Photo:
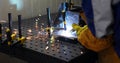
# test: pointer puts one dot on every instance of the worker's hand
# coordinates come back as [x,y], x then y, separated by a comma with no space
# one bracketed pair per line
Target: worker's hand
[87,39]
[79,29]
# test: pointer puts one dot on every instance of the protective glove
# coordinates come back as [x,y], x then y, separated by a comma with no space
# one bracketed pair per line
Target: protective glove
[87,39]
[78,29]
[108,56]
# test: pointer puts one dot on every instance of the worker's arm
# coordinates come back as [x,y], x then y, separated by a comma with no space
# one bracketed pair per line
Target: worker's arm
[87,39]
[98,14]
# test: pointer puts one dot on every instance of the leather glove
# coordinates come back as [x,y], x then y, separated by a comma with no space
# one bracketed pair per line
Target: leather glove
[78,29]
[108,56]
[87,39]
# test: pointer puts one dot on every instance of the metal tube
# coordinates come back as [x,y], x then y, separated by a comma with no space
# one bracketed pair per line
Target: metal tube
[0,32]
[48,17]
[19,26]
[64,15]
[69,4]
[48,21]
[9,30]
[10,22]
[64,20]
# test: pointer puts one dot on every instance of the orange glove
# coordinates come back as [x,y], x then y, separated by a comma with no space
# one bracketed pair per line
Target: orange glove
[86,38]
[78,29]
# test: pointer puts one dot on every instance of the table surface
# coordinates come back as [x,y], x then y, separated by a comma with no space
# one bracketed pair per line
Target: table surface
[38,40]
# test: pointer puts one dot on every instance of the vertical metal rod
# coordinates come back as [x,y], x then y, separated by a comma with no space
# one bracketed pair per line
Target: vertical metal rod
[64,15]
[48,21]
[10,22]
[0,33]
[48,17]
[19,26]
[69,4]
[9,30]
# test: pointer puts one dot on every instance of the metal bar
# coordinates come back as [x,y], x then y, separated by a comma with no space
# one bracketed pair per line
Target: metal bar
[0,32]
[48,17]
[19,26]
[10,22]
[64,15]
[69,4]
[48,21]
[9,30]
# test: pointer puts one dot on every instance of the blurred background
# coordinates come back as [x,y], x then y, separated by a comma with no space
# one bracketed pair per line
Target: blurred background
[29,8]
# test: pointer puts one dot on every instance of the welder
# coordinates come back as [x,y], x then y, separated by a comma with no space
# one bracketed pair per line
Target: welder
[102,32]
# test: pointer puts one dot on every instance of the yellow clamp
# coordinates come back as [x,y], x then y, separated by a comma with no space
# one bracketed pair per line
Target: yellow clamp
[64,22]
[51,29]
[7,30]
[9,43]
[48,28]
[52,39]
[22,39]
[13,36]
